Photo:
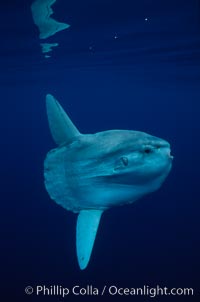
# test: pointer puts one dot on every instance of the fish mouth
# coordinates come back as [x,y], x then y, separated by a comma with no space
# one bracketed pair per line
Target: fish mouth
[160,145]
[169,155]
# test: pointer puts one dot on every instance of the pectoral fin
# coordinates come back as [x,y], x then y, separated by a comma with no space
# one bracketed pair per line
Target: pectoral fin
[86,229]
[62,128]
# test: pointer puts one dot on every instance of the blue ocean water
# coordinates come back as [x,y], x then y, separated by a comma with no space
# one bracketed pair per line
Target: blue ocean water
[121,65]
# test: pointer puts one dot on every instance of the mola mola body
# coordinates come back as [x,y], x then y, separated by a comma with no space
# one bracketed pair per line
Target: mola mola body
[88,174]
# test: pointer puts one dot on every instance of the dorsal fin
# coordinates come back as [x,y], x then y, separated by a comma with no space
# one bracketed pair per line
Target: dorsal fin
[86,229]
[61,127]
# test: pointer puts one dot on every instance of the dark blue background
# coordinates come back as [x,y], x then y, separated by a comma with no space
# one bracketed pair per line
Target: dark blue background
[147,79]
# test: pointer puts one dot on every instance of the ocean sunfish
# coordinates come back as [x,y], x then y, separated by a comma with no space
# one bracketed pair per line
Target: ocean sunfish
[90,173]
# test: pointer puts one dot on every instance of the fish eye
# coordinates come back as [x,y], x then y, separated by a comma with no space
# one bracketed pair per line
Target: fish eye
[147,150]
[124,160]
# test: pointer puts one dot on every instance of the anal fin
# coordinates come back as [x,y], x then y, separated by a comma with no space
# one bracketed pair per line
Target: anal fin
[86,229]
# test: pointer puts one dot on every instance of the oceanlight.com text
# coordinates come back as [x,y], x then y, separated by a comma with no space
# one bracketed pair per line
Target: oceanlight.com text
[109,290]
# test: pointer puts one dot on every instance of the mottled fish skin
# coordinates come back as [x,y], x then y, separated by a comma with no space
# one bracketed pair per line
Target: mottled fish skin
[106,169]
[90,173]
